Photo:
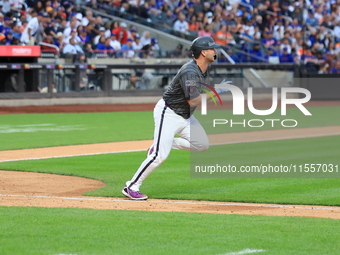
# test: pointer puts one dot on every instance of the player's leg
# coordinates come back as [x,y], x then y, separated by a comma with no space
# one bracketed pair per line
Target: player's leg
[193,137]
[167,124]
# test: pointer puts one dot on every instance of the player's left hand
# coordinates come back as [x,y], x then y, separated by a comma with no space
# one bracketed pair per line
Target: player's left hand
[226,82]
[221,91]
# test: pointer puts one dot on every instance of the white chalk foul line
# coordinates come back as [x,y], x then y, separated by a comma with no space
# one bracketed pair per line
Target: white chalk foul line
[177,202]
[246,251]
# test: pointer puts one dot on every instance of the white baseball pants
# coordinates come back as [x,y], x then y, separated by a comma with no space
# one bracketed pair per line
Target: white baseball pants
[167,124]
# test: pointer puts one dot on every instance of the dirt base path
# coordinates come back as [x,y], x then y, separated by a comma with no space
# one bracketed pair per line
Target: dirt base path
[47,190]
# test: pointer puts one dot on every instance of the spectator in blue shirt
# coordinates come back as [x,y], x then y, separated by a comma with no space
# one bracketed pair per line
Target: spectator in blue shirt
[269,40]
[6,27]
[285,57]
[101,43]
[271,53]
[311,20]
[106,47]
[255,52]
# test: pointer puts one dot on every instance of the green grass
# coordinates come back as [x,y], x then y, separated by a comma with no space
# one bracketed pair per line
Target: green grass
[172,180]
[85,231]
[21,131]
[321,116]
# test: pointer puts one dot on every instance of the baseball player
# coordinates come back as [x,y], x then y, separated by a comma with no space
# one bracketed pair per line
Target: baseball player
[173,114]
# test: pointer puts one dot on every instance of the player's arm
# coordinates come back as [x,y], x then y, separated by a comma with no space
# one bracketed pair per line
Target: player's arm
[197,100]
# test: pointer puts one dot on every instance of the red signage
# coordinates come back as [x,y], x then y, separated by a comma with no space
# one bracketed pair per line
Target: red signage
[19,51]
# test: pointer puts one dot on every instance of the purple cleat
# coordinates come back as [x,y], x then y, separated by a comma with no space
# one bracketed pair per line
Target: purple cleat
[134,195]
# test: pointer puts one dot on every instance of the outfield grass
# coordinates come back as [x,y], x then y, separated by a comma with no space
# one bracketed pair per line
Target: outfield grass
[321,116]
[172,180]
[22,131]
[85,231]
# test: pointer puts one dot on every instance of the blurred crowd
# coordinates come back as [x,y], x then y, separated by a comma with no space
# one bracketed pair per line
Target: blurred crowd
[287,31]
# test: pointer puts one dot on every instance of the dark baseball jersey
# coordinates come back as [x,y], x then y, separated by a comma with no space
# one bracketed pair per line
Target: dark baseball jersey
[186,85]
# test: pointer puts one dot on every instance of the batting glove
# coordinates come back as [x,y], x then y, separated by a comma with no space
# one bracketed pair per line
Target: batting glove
[226,82]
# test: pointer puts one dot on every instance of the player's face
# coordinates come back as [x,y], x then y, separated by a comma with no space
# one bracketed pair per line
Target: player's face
[210,54]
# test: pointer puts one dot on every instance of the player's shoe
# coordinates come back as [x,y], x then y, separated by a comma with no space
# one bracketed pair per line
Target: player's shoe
[134,195]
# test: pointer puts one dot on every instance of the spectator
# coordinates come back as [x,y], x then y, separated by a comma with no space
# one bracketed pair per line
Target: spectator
[133,33]
[272,56]
[223,37]
[49,39]
[173,4]
[178,52]
[206,31]
[311,20]
[79,18]
[121,33]
[128,50]
[15,41]
[331,61]
[114,43]
[194,24]
[279,30]
[72,26]
[102,33]
[6,27]
[84,37]
[286,57]
[146,39]
[72,48]
[181,25]
[337,32]
[323,68]
[16,30]
[22,18]
[88,50]
[137,45]
[2,39]
[255,54]
[166,19]
[9,37]
[228,20]
[269,40]
[32,29]
[146,52]
[6,6]
[51,29]
[87,19]
[97,24]
[45,89]
[101,43]
[285,44]
[84,80]
[73,35]
[154,44]
[107,30]
[336,68]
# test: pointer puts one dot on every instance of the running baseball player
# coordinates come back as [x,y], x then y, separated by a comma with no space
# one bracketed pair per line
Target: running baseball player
[173,115]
